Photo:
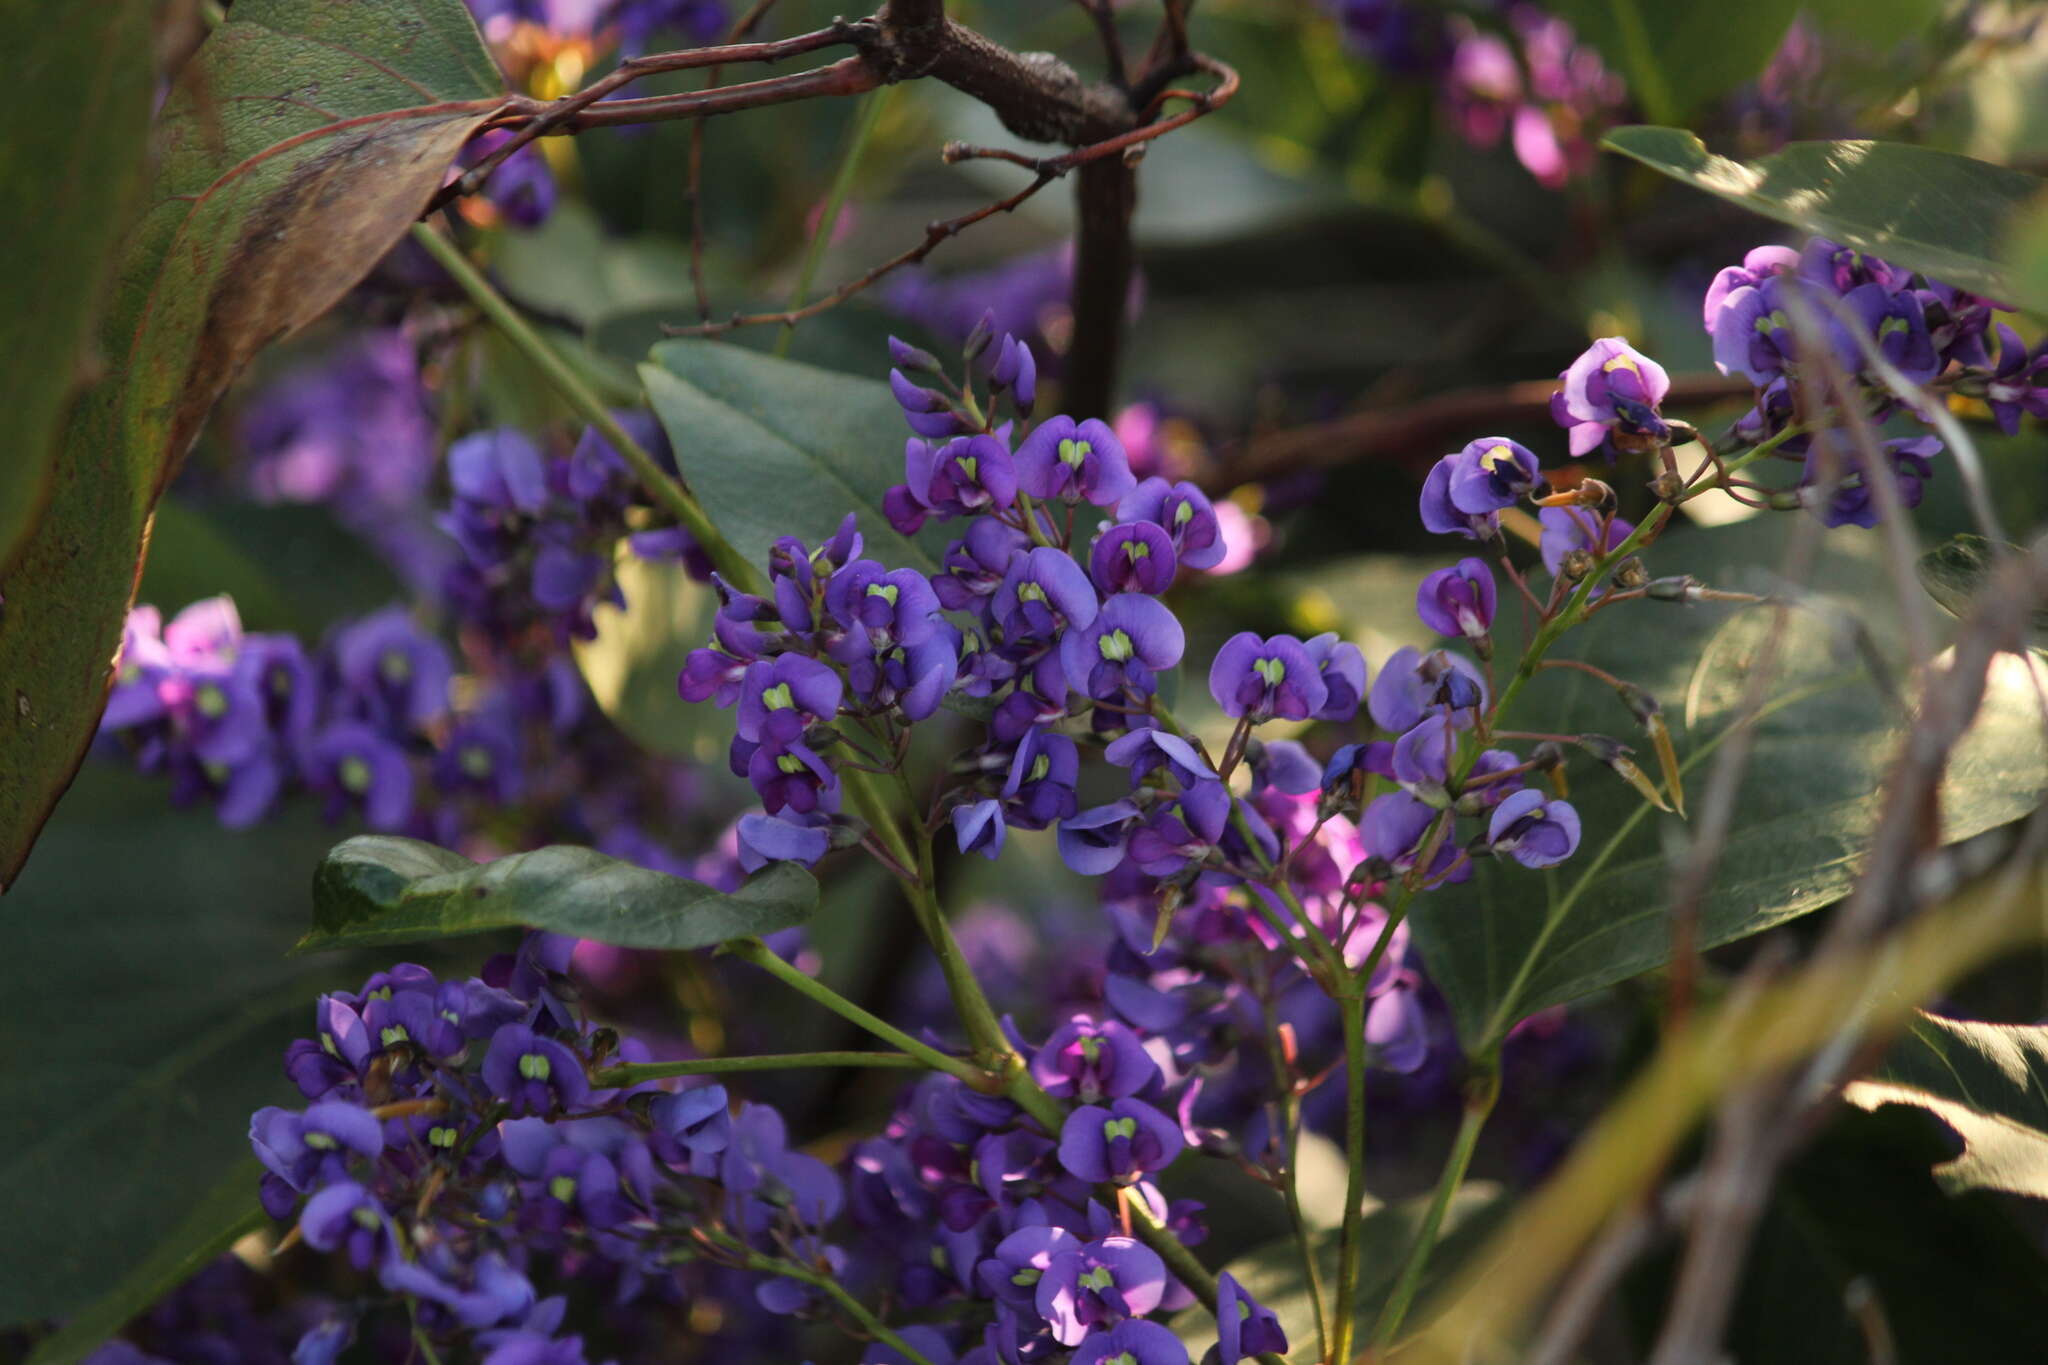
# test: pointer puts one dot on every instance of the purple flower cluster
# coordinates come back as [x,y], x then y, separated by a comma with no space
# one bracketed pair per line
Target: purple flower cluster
[538,530]
[231,718]
[459,1143]
[1764,314]
[1529,78]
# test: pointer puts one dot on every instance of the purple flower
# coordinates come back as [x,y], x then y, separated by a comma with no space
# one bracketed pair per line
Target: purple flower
[1122,1143]
[396,671]
[1134,556]
[1098,1283]
[1039,788]
[782,697]
[1146,749]
[1043,592]
[1759,265]
[1843,269]
[1612,390]
[482,756]
[1075,461]
[1533,831]
[1392,825]
[1422,758]
[1566,529]
[978,828]
[1343,670]
[1458,600]
[1186,513]
[1898,324]
[522,188]
[1835,485]
[1243,1327]
[302,1150]
[1014,1268]
[786,775]
[353,765]
[1261,679]
[976,565]
[531,1074]
[2015,386]
[1130,640]
[881,608]
[968,475]
[347,1216]
[1092,842]
[1093,1061]
[1396,1029]
[1411,682]
[1136,1342]
[765,839]
[1465,492]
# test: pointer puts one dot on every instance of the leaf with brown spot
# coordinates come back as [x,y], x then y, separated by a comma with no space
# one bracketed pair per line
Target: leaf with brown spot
[296,149]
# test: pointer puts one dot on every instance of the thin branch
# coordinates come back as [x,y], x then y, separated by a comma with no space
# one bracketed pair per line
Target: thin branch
[559,114]
[1112,41]
[847,76]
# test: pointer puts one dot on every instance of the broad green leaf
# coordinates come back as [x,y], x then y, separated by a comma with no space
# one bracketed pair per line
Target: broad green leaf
[772,448]
[67,181]
[1989,1082]
[1931,211]
[631,665]
[147,1007]
[295,150]
[379,889]
[1512,941]
[227,1213]
[1953,571]
[1955,1279]
[1275,1277]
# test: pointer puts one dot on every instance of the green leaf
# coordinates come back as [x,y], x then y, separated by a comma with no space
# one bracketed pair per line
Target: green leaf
[147,1005]
[1511,941]
[378,889]
[631,665]
[1988,1082]
[223,1217]
[1954,571]
[67,182]
[1274,1275]
[296,149]
[1932,211]
[772,448]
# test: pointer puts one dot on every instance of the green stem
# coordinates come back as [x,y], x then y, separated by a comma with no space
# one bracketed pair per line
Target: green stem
[531,344]
[1575,607]
[633,1073]
[1351,1012]
[871,107]
[754,951]
[1481,1092]
[1290,1125]
[762,1263]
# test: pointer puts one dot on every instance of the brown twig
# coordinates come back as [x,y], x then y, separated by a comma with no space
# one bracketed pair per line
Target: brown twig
[1420,430]
[544,118]
[1046,169]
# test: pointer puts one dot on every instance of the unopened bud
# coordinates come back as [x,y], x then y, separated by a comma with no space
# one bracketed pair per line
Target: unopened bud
[1667,487]
[1171,897]
[1786,500]
[1680,433]
[603,1043]
[1677,589]
[1640,703]
[1575,565]
[1630,574]
[910,358]
[983,333]
[1615,755]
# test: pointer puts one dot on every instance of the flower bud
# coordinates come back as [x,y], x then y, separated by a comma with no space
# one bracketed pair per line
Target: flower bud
[978,339]
[1576,565]
[1630,574]
[910,358]
[1676,589]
